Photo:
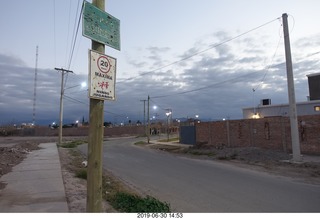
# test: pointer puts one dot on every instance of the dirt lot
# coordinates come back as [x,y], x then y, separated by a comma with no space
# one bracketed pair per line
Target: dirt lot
[14,149]
[273,162]
[75,187]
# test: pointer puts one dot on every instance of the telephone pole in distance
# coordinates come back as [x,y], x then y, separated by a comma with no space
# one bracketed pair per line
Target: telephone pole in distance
[291,93]
[63,72]
[144,116]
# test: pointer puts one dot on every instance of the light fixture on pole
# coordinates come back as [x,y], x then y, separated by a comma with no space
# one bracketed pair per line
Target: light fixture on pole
[168,114]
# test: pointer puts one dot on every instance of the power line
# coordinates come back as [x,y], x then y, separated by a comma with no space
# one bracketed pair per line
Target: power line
[68,31]
[75,100]
[205,87]
[54,32]
[158,105]
[229,80]
[75,36]
[268,67]
[200,52]
[215,85]
[81,102]
[233,80]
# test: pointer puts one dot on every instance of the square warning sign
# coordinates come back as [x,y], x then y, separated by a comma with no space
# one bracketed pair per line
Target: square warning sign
[102,76]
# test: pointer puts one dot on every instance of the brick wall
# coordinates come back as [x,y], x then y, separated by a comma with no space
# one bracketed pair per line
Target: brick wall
[84,131]
[271,133]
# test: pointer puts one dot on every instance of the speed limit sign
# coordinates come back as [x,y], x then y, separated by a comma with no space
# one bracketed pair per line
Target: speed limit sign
[103,64]
[102,76]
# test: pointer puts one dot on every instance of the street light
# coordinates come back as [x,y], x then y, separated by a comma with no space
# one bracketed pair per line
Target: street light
[168,114]
[83,84]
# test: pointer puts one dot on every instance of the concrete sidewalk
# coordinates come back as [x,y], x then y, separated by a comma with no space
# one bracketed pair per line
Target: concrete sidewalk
[36,184]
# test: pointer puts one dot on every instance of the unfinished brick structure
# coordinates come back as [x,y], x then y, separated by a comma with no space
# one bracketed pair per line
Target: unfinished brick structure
[271,133]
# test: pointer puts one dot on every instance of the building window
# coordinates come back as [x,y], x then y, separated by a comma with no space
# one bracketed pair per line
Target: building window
[317,108]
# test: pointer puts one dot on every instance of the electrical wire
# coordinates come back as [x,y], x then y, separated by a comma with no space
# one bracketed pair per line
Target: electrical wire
[230,80]
[75,36]
[158,105]
[293,23]
[200,52]
[75,100]
[54,32]
[227,81]
[215,85]
[81,102]
[69,19]
[268,67]
[205,87]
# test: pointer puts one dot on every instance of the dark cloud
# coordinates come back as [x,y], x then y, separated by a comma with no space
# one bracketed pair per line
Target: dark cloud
[214,84]
[17,93]
[6,60]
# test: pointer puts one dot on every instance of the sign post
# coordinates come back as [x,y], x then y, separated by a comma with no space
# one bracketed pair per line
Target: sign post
[103,29]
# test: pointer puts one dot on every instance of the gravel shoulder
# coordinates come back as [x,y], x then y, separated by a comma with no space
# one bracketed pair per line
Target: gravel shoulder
[270,161]
[75,187]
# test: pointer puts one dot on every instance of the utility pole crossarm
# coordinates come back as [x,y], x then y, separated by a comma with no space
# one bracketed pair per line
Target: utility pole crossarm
[63,70]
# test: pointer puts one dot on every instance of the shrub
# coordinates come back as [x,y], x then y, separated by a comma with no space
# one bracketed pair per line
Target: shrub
[82,173]
[71,144]
[129,203]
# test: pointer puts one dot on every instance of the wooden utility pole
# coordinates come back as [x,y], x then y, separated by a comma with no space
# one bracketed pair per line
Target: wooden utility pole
[291,93]
[144,116]
[35,89]
[95,141]
[148,127]
[63,72]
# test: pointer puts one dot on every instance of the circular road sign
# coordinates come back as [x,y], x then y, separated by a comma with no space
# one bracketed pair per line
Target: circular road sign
[103,64]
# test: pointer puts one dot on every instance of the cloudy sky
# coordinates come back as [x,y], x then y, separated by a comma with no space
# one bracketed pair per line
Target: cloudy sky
[196,57]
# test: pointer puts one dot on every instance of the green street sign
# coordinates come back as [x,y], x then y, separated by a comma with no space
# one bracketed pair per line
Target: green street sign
[100,26]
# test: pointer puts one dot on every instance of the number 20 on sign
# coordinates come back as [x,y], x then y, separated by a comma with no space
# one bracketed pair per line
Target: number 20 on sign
[102,76]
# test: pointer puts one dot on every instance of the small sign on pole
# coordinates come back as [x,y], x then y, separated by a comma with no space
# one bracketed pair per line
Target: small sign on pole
[102,76]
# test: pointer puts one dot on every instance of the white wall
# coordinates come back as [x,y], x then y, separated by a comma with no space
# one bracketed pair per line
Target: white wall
[303,108]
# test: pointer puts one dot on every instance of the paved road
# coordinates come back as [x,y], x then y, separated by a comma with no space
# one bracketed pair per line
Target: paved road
[192,185]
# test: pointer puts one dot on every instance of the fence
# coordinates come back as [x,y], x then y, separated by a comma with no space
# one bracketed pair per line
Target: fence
[271,133]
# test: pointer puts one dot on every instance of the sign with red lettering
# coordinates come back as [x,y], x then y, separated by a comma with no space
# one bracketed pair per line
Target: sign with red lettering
[102,76]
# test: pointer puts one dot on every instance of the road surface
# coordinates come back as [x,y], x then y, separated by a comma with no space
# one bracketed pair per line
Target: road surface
[192,185]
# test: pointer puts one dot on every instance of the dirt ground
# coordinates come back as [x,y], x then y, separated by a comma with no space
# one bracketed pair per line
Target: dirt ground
[14,149]
[270,161]
[75,187]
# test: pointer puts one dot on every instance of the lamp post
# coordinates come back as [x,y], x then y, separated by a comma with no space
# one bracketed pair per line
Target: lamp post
[168,114]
